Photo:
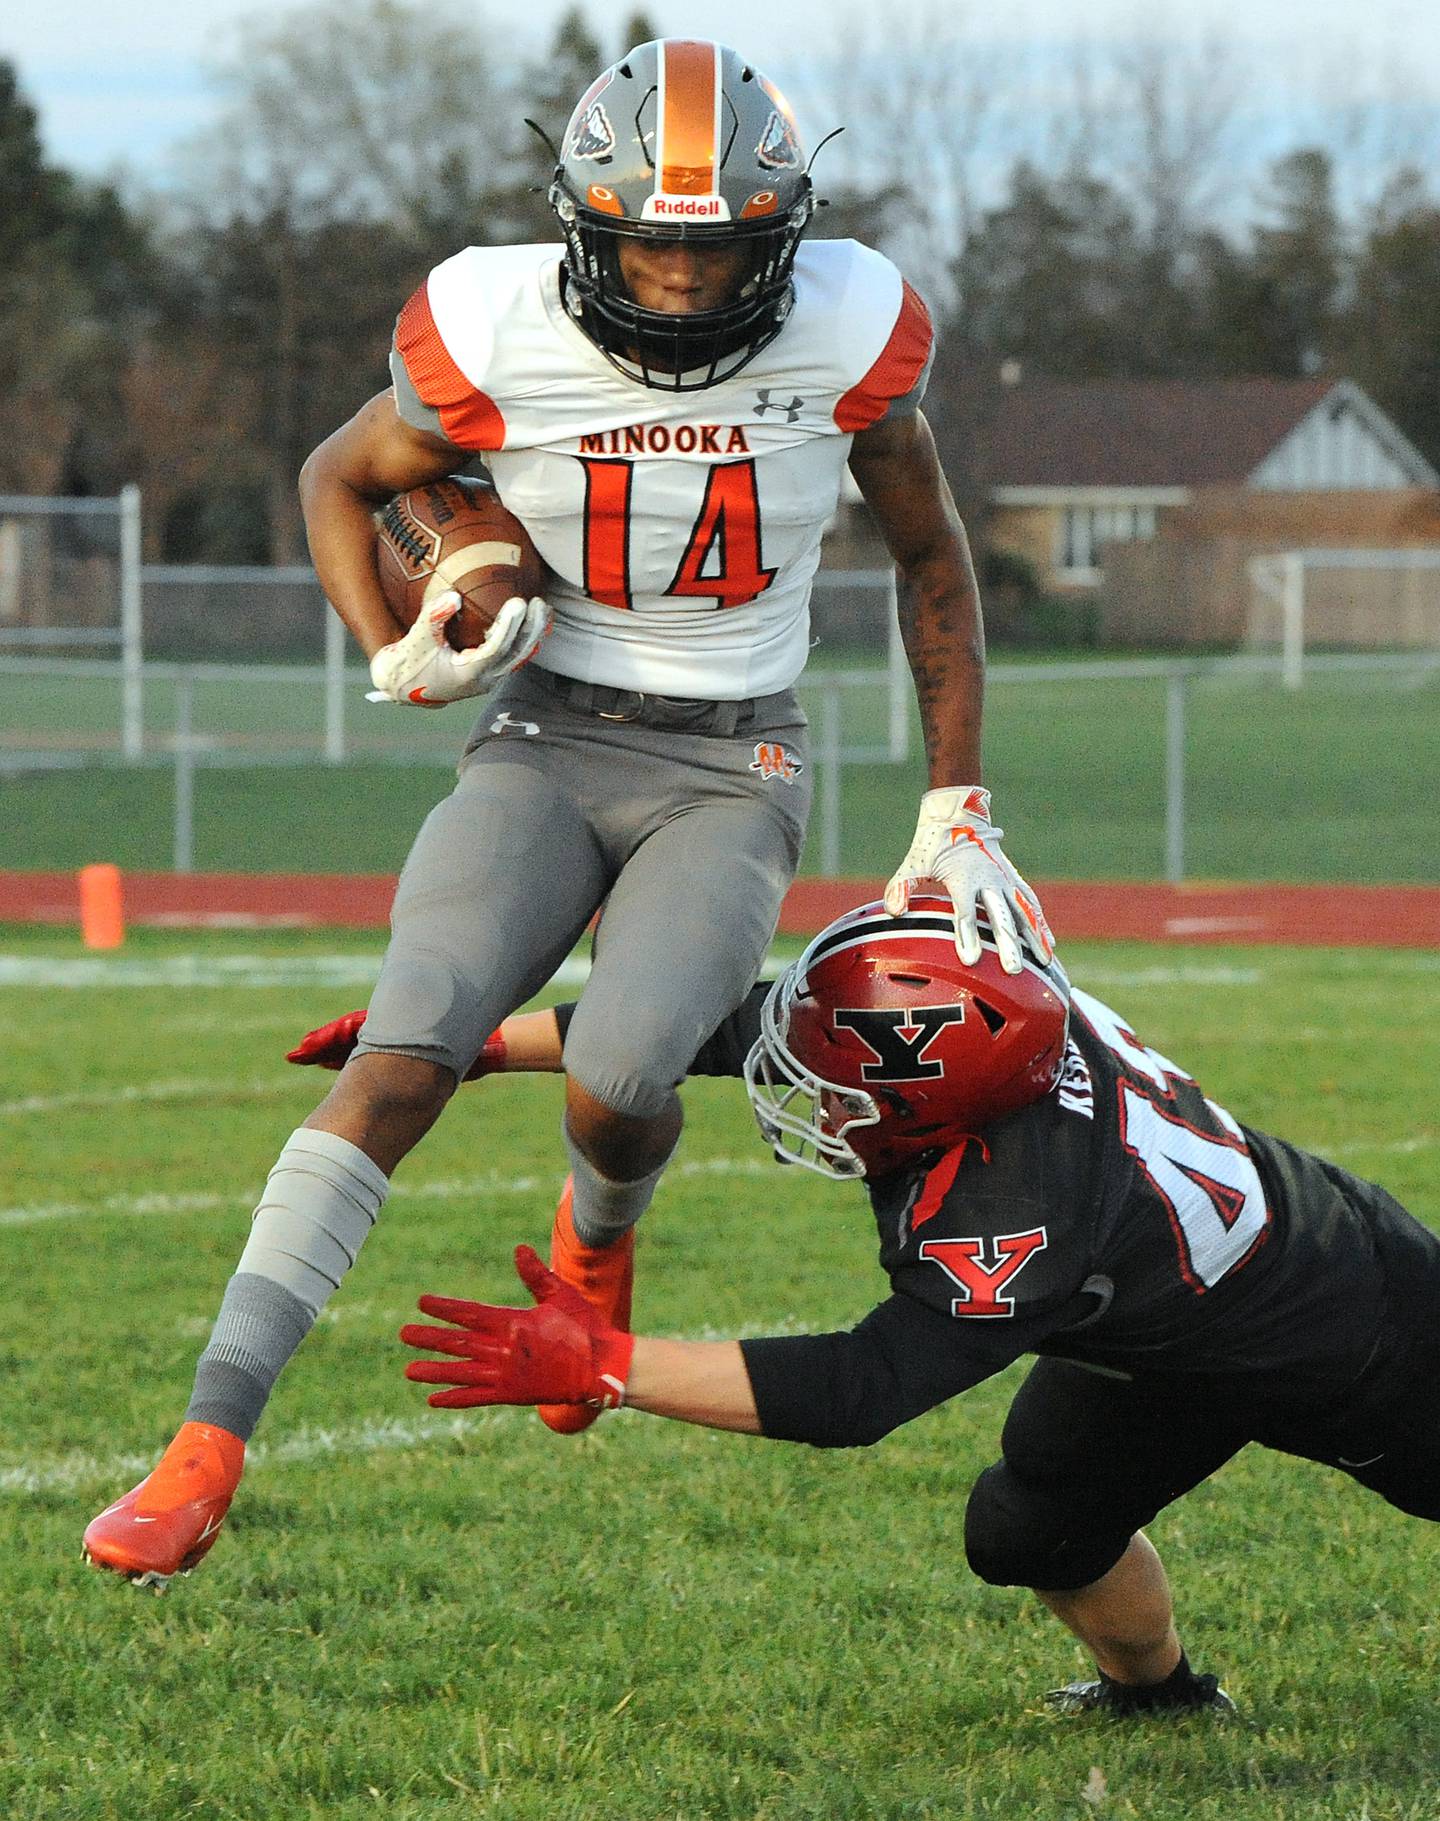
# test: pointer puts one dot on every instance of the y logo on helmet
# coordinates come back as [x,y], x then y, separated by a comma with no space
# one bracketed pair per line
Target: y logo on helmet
[779,149]
[594,137]
[963,1262]
[900,1039]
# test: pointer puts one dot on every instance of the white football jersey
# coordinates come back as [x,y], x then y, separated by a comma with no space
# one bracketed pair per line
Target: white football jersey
[682,528]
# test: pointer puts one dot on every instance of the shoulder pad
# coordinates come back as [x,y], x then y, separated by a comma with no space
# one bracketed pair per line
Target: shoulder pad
[446,336]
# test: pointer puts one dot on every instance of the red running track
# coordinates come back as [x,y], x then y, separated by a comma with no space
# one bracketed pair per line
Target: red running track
[1359,916]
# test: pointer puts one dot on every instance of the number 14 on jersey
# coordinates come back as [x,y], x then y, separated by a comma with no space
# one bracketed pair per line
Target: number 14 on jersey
[721,557]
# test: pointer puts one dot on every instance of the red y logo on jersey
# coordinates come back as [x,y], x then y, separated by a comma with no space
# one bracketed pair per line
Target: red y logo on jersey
[961,1261]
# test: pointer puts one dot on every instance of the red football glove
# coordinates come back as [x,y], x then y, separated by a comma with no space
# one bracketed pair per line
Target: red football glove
[560,1352]
[331,1045]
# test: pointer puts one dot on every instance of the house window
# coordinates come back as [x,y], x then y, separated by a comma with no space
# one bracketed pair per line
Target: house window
[1086,530]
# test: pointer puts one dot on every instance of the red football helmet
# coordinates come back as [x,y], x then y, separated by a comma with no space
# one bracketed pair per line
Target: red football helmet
[879,1043]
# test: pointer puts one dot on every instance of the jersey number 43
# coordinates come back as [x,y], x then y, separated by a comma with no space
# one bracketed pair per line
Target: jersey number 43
[721,559]
[1210,1188]
[1197,1165]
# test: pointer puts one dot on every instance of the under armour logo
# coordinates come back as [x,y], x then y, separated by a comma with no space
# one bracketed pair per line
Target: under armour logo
[503,724]
[764,403]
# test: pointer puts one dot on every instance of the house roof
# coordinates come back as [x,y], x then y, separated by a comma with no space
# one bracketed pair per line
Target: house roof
[1143,433]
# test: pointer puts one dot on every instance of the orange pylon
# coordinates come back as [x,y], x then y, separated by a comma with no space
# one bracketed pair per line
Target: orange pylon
[102,910]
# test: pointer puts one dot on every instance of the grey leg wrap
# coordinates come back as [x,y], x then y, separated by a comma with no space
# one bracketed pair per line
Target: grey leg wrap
[259,1326]
[320,1201]
[603,1209]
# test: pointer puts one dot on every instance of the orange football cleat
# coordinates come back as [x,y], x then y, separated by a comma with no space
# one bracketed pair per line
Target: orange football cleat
[605,1277]
[169,1522]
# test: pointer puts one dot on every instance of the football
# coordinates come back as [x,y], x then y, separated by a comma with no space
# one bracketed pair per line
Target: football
[455,534]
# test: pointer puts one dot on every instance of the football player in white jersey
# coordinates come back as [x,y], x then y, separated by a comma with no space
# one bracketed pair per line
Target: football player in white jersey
[667,401]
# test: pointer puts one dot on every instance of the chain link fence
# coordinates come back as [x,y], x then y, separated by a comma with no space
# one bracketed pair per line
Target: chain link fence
[144,712]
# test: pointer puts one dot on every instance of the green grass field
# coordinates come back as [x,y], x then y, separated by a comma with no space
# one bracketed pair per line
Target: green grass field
[1337,781]
[414,1615]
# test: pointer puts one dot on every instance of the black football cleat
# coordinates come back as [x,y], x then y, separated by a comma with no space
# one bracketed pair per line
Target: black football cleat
[1201,1693]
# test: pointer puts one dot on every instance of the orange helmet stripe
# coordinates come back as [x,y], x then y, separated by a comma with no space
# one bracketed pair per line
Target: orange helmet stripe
[689,98]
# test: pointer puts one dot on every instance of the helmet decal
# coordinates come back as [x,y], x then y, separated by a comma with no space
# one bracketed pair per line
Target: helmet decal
[779,149]
[685,208]
[603,200]
[899,1039]
[594,137]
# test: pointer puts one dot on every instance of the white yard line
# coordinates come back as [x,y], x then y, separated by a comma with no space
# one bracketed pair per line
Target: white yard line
[91,972]
[455,1188]
[1239,927]
[97,972]
[461,1188]
[1195,974]
[141,1091]
[1381,1147]
[121,1204]
[22,1477]
[64,1472]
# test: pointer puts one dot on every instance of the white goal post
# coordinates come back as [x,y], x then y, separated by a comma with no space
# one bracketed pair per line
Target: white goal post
[19,631]
[1280,581]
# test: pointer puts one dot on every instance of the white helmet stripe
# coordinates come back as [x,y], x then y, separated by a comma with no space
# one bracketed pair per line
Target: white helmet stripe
[885,928]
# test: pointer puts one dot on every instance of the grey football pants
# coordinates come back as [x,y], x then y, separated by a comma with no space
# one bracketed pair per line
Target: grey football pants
[689,840]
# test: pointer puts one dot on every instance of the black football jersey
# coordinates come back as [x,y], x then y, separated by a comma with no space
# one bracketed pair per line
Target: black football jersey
[1125,1221]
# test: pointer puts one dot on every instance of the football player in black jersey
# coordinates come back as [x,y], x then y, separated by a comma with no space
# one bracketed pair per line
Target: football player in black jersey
[1043,1183]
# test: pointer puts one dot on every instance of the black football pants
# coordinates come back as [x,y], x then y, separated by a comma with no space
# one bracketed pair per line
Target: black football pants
[1089,1460]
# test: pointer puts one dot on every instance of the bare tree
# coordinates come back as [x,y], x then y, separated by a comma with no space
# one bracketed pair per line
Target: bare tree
[918,100]
[374,111]
[1176,106]
[358,143]
[1360,102]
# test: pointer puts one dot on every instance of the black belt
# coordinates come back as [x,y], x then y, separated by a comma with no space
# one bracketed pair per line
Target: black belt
[686,714]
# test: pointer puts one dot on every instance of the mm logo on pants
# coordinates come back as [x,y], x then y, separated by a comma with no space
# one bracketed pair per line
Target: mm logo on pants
[772,760]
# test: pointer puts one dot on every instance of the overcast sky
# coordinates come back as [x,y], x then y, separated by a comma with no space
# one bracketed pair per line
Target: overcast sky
[124,80]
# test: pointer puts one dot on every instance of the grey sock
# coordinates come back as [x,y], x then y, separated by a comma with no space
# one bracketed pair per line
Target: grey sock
[320,1201]
[604,1210]
[259,1326]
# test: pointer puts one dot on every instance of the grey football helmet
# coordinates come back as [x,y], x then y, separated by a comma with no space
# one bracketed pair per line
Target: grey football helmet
[681,140]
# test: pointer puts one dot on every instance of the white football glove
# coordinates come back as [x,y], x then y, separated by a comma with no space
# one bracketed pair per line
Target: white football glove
[424,669]
[958,846]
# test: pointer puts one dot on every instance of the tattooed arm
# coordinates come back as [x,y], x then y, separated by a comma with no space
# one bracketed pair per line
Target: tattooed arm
[956,845]
[897,470]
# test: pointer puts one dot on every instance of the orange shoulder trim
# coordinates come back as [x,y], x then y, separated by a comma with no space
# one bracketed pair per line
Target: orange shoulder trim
[896,371]
[468,417]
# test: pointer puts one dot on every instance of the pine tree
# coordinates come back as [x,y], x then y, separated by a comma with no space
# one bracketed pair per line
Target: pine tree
[638,29]
[32,196]
[1394,324]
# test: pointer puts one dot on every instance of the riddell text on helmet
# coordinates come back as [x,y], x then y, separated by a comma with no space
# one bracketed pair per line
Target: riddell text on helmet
[712,206]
